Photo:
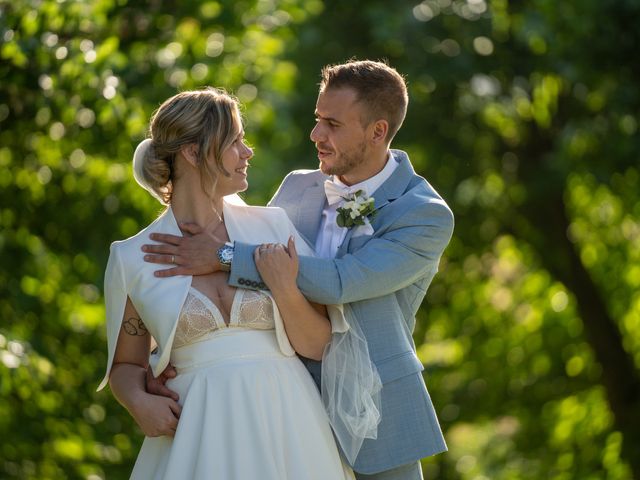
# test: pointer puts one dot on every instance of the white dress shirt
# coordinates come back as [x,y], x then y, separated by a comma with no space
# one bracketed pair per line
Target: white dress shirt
[331,235]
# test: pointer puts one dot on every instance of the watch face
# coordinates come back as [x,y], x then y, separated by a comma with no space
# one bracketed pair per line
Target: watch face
[226,254]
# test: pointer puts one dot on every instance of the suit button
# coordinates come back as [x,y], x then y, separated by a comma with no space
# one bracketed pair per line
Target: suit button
[241,281]
[254,284]
[262,285]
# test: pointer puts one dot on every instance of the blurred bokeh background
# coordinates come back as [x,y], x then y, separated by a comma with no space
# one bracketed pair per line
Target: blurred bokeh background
[523,115]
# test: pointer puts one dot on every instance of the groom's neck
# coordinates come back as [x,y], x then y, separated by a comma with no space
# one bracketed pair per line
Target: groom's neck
[370,167]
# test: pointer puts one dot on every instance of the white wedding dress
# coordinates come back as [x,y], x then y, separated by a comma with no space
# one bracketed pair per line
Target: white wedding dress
[249,411]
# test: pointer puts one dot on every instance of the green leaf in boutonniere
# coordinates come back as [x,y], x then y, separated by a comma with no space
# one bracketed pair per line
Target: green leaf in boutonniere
[355,210]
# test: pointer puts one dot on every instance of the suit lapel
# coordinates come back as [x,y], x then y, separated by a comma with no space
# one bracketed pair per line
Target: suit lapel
[397,183]
[309,211]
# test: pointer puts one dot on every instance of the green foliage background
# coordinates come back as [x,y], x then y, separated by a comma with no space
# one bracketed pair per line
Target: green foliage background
[524,115]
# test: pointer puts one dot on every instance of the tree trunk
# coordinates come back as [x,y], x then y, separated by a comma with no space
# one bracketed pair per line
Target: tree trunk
[619,375]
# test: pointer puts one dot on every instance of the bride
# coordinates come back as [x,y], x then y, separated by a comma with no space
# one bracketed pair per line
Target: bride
[247,406]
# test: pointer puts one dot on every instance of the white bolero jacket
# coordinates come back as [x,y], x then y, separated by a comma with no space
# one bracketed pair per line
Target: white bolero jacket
[159,301]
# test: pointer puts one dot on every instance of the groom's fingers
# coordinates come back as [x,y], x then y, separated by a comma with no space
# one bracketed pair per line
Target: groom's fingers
[181,270]
[176,409]
[163,259]
[165,238]
[160,249]
[169,372]
[156,388]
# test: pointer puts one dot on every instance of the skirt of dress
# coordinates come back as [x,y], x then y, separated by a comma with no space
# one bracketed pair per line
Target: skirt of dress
[249,412]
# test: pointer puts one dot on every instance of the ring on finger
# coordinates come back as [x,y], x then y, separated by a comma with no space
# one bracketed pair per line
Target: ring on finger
[173,259]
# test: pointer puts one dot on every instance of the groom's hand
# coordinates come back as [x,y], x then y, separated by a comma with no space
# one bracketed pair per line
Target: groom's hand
[156,385]
[193,254]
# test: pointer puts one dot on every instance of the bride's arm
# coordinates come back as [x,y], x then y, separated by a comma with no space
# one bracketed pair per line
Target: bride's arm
[155,415]
[307,324]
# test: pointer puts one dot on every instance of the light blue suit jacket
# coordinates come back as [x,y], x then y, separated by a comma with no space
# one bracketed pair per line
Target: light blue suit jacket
[384,277]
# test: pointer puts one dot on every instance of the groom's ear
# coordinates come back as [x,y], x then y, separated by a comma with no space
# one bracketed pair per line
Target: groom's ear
[379,131]
[190,153]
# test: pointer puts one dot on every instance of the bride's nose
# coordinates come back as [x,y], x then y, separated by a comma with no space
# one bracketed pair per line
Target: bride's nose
[247,151]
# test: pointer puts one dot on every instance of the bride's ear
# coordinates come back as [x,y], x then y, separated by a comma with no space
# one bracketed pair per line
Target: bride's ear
[190,153]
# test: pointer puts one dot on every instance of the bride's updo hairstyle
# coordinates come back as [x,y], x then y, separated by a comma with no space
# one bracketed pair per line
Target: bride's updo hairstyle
[208,118]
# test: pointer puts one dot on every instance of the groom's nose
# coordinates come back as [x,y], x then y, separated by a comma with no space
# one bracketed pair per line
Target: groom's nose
[316,133]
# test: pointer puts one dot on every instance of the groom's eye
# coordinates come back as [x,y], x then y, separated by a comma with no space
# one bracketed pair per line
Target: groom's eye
[330,123]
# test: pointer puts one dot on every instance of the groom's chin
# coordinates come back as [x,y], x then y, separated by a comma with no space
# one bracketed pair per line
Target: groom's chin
[326,169]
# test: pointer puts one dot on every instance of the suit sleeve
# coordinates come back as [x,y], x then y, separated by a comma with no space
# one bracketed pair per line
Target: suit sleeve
[243,269]
[244,273]
[409,250]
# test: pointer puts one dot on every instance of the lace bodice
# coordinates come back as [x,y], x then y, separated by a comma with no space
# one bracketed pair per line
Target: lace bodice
[199,315]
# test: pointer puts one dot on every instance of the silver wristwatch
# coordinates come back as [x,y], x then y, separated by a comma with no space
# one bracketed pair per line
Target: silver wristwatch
[225,256]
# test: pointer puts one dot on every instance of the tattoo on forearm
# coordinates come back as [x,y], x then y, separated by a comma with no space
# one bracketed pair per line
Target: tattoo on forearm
[134,326]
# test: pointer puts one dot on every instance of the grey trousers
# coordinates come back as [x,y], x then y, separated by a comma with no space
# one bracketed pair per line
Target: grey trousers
[410,471]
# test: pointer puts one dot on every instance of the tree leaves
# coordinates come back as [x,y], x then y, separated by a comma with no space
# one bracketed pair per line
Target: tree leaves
[522,114]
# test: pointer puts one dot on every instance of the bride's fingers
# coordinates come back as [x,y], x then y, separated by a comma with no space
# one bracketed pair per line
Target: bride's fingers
[264,249]
[291,248]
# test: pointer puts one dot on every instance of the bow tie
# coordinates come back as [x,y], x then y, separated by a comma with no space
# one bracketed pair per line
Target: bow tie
[336,193]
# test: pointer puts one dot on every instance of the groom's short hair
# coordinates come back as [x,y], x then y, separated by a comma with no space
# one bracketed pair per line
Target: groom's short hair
[379,87]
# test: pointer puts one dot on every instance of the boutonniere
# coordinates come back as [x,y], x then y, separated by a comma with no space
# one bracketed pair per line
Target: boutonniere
[357,209]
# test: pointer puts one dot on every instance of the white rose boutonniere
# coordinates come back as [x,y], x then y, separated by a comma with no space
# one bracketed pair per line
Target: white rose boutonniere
[357,210]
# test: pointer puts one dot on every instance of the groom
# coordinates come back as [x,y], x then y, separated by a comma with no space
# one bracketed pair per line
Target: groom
[381,268]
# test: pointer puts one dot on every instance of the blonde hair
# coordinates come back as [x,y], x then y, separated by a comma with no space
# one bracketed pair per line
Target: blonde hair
[209,118]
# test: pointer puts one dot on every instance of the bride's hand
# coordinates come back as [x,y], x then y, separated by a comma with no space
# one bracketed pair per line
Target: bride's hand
[277,265]
[156,416]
